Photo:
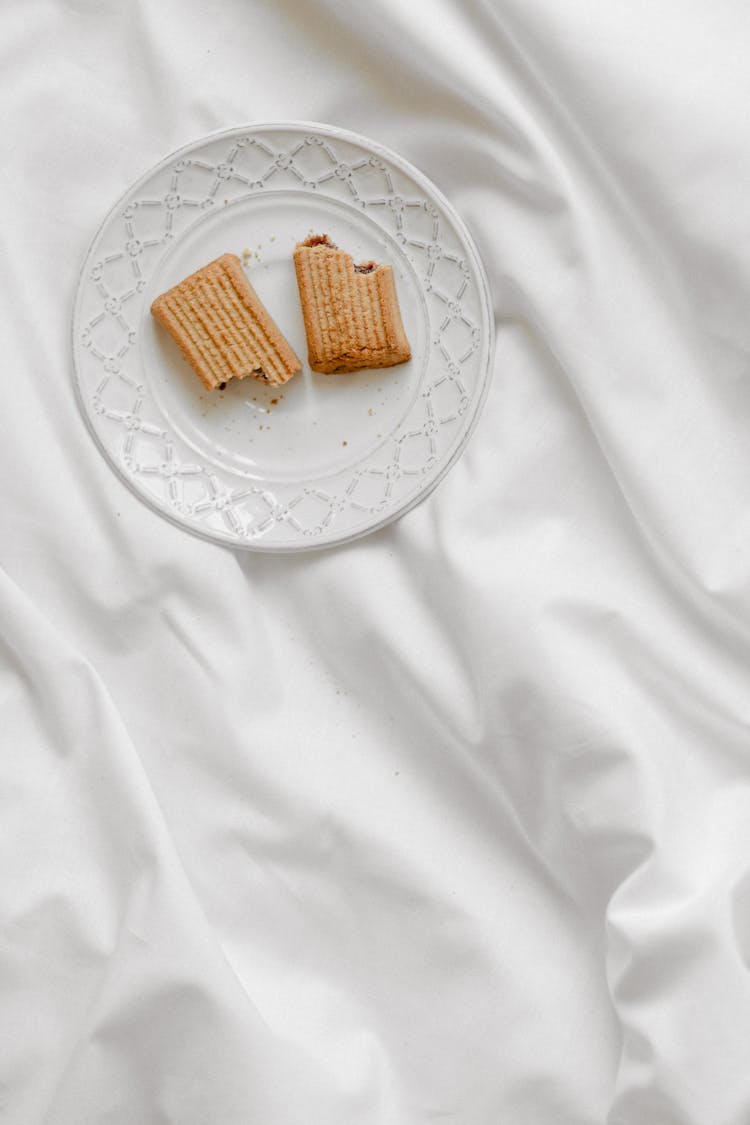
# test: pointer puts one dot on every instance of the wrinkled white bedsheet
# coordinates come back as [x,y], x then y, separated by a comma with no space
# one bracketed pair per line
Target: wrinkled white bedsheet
[451,824]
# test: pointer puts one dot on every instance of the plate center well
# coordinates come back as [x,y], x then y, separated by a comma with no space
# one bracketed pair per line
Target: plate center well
[316,424]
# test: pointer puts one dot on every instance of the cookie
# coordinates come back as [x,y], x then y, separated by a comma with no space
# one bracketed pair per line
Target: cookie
[351,313]
[222,327]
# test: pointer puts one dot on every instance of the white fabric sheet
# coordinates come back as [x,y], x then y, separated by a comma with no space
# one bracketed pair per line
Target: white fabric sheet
[453,823]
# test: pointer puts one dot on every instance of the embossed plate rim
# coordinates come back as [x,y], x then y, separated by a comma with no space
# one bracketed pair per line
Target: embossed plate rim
[478,272]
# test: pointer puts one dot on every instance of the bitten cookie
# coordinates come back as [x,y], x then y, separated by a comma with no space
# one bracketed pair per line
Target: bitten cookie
[222,327]
[351,313]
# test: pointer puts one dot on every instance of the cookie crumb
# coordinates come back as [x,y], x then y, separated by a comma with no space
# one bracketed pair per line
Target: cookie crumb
[345,443]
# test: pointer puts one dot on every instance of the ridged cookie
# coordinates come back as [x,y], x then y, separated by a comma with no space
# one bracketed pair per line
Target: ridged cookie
[222,327]
[351,313]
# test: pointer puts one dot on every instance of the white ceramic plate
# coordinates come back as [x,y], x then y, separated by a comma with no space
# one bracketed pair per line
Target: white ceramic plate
[326,458]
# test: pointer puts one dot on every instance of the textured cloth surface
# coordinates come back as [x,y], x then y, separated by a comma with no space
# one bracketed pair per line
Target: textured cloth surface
[452,823]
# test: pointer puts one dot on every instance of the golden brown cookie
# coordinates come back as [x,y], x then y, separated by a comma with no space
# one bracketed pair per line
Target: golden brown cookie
[222,327]
[351,313]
